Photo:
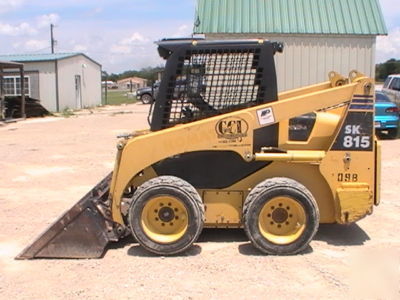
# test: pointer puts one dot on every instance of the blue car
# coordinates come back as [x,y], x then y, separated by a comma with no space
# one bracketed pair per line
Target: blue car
[386,115]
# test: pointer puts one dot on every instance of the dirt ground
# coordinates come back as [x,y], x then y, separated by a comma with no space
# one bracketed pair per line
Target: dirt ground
[48,164]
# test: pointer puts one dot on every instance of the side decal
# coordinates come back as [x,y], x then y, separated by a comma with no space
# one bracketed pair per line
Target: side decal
[265,116]
[356,133]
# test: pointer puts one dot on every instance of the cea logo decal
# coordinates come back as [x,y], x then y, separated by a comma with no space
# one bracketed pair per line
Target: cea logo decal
[232,128]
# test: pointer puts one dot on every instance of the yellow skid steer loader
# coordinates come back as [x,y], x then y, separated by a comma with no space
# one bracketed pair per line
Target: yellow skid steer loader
[224,150]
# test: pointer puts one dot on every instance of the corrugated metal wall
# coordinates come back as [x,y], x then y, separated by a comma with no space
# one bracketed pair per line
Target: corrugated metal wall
[47,79]
[308,59]
[90,82]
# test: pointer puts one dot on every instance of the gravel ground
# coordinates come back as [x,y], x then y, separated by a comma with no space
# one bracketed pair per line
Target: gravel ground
[48,164]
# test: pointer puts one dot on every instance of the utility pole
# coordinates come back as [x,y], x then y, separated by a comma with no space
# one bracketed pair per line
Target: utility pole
[52,40]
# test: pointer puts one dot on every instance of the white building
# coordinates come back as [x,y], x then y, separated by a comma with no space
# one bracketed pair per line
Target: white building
[319,36]
[59,81]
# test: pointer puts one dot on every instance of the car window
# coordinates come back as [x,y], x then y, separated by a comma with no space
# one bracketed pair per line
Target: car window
[382,97]
[387,81]
[395,84]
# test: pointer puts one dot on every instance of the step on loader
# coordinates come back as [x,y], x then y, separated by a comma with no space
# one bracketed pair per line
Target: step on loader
[225,150]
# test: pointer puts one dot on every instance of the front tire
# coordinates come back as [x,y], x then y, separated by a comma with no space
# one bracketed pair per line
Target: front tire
[280,216]
[166,215]
[146,99]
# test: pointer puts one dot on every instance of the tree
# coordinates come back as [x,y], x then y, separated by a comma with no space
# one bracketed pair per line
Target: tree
[149,73]
[383,70]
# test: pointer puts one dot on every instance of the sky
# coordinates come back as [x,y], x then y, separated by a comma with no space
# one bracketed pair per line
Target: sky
[120,34]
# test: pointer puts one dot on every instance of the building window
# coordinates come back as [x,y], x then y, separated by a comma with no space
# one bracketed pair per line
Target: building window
[12,85]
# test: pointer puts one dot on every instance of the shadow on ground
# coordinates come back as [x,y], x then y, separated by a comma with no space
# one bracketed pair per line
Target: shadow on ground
[333,234]
[250,250]
[342,235]
[222,235]
[139,251]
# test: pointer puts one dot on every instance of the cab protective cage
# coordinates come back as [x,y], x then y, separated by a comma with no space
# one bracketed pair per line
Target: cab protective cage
[218,76]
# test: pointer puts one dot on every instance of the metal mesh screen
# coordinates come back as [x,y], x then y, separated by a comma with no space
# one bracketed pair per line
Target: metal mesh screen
[211,82]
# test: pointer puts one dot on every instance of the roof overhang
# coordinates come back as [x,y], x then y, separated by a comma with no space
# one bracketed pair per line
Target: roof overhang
[10,65]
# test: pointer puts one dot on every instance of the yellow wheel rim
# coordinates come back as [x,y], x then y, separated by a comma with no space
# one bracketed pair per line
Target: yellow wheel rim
[164,219]
[282,220]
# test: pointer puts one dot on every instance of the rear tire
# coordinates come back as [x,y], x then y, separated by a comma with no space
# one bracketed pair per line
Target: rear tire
[166,215]
[146,99]
[280,216]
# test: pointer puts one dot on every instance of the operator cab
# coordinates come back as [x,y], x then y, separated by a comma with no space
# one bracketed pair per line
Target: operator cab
[207,78]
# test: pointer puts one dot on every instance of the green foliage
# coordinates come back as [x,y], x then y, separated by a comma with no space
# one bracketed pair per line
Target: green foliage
[383,70]
[67,112]
[149,73]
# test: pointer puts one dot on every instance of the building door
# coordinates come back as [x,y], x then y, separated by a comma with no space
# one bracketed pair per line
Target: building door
[78,91]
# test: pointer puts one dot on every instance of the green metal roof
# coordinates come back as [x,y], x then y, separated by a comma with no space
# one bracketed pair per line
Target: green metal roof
[24,58]
[36,57]
[353,17]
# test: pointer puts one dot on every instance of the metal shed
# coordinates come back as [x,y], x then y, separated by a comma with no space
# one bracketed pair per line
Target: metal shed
[319,35]
[60,80]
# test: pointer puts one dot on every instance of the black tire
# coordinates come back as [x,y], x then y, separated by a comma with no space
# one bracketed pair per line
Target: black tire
[262,196]
[392,133]
[175,188]
[146,99]
[378,134]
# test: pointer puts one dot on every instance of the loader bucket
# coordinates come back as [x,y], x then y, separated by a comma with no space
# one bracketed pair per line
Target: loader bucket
[81,232]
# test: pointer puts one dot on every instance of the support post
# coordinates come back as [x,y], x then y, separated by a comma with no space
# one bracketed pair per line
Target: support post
[22,75]
[2,104]
[105,88]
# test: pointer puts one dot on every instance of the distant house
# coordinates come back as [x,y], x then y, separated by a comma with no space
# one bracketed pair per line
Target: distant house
[136,83]
[110,84]
[319,36]
[59,81]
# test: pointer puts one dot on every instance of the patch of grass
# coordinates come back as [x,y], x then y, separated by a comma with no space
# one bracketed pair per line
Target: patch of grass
[115,97]
[67,112]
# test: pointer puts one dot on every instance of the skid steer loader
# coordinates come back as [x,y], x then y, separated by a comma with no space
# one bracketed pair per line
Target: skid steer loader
[224,150]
